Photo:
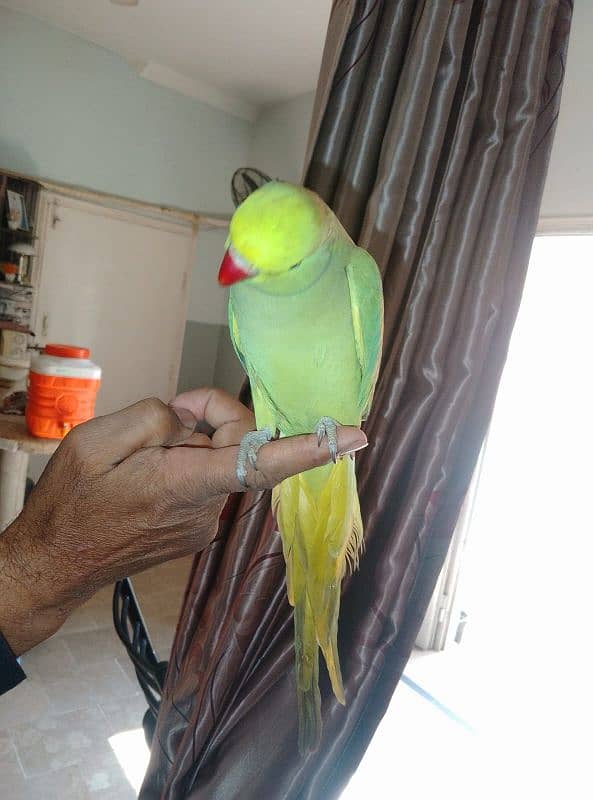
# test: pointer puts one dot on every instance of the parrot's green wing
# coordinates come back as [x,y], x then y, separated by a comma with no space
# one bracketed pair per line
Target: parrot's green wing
[366,302]
[234,332]
[267,413]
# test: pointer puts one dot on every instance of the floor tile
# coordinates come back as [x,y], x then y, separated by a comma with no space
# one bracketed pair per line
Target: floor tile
[12,779]
[23,704]
[48,658]
[162,633]
[88,647]
[104,777]
[83,619]
[89,684]
[159,603]
[81,690]
[125,714]
[63,784]
[127,666]
[55,741]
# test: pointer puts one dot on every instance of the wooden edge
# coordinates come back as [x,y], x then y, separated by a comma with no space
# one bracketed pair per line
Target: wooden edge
[206,221]
[565,226]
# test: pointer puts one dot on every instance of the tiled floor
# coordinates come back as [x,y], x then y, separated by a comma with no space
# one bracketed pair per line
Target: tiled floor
[72,730]
[81,692]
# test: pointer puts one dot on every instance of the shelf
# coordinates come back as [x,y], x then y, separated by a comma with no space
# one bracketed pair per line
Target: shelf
[15,285]
[29,234]
[5,325]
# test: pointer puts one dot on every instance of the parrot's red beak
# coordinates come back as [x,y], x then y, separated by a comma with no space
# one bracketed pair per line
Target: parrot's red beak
[231,271]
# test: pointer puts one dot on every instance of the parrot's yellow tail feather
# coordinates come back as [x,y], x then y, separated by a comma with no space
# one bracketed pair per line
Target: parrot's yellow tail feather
[318,515]
[307,673]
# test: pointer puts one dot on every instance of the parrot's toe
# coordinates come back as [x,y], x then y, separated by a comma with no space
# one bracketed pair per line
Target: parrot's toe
[328,428]
[250,444]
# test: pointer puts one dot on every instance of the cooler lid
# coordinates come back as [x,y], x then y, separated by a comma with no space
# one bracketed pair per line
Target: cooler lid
[66,351]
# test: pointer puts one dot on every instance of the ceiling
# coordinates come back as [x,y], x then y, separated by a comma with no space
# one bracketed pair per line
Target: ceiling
[234,54]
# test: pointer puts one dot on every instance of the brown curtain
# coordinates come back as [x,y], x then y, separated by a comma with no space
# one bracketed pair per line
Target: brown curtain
[431,135]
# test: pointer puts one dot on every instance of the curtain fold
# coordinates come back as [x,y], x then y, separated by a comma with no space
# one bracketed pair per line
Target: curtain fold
[432,128]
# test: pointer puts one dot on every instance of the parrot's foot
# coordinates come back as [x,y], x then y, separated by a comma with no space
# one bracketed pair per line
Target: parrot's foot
[250,444]
[328,428]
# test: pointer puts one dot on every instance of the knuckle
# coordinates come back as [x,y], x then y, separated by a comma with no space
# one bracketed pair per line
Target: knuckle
[76,442]
[259,479]
[152,405]
[155,411]
[219,396]
[216,393]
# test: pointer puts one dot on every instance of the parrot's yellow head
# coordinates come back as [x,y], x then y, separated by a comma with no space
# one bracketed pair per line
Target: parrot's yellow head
[273,231]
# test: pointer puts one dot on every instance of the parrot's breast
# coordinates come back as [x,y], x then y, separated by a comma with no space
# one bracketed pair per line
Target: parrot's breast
[301,349]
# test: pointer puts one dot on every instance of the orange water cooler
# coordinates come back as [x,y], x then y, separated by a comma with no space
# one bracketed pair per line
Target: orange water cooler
[63,386]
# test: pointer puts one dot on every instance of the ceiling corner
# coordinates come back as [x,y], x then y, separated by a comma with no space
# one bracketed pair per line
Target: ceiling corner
[192,87]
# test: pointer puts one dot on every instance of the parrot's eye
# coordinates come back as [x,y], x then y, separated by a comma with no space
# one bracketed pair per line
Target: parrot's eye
[294,266]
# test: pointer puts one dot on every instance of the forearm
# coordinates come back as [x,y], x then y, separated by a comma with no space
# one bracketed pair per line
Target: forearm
[33,605]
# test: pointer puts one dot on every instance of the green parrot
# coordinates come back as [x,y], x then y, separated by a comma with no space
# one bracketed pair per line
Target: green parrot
[306,320]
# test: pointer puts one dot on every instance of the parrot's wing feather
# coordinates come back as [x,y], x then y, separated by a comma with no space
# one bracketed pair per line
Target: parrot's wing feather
[366,302]
[267,413]
[234,332]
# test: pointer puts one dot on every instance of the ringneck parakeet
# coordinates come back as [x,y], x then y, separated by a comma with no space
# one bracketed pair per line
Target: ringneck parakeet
[306,320]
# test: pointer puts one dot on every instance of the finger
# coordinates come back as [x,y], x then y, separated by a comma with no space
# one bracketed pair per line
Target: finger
[229,418]
[197,440]
[148,423]
[279,459]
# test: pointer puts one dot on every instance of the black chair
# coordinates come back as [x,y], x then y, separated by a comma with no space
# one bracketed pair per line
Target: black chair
[133,634]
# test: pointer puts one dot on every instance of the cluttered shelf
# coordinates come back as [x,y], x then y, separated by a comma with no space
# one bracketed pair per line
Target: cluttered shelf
[29,234]
[18,247]
[16,302]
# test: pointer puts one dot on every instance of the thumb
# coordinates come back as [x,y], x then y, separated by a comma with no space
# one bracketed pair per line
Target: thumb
[279,459]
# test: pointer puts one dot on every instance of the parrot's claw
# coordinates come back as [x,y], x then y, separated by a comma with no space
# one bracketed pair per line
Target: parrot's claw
[328,428]
[248,449]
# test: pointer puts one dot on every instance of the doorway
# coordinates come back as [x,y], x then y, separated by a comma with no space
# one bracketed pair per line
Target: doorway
[505,710]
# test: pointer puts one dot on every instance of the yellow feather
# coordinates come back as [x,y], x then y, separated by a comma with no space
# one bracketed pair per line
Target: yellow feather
[318,516]
[278,225]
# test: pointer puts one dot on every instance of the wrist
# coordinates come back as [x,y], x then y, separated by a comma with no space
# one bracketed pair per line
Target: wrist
[31,605]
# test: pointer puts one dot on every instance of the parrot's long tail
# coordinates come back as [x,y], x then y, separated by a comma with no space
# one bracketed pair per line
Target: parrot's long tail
[318,515]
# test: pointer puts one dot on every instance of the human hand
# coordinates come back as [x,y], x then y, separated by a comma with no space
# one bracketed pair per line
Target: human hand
[127,491]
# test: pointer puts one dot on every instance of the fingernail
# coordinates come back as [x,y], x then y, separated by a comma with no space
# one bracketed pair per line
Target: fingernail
[355,450]
[184,416]
[350,440]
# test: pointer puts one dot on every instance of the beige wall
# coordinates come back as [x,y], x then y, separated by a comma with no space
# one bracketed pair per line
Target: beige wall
[280,138]
[569,186]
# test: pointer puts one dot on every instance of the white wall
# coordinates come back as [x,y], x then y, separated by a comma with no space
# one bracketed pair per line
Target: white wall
[208,300]
[569,185]
[280,138]
[76,113]
[207,318]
